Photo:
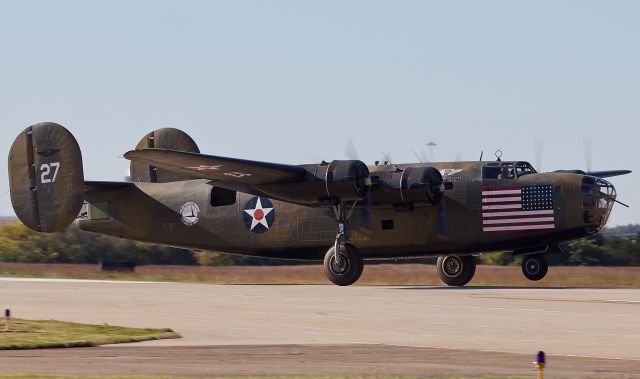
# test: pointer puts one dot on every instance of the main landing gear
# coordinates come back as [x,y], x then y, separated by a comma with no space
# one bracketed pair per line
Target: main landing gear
[535,266]
[343,264]
[455,270]
[345,267]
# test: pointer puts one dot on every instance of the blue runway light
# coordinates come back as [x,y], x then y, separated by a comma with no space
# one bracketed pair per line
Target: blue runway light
[540,357]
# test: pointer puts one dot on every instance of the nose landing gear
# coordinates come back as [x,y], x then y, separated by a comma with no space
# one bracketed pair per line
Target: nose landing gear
[535,267]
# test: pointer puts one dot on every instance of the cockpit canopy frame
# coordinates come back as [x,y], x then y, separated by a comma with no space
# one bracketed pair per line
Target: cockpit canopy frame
[506,170]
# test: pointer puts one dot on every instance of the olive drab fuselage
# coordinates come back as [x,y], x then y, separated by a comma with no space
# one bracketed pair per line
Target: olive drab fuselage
[155,212]
[180,197]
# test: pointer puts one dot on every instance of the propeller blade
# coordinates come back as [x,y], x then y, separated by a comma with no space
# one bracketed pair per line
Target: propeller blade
[587,152]
[441,223]
[350,151]
[539,149]
[387,157]
[416,155]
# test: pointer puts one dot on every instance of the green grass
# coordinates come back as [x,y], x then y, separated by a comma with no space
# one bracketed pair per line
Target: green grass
[38,334]
[383,274]
[254,377]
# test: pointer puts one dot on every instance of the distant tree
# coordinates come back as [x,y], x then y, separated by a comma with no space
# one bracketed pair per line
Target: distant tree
[20,244]
[500,259]
[627,231]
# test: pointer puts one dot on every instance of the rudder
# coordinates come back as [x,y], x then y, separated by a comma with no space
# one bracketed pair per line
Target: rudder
[46,178]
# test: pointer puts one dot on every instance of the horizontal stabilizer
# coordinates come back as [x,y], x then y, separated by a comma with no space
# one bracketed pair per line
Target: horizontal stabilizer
[93,186]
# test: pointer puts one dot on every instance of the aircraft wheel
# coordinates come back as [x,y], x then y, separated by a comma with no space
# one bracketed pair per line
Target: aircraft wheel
[349,269]
[534,267]
[456,270]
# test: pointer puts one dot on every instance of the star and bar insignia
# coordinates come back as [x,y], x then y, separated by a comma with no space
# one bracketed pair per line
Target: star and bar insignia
[259,214]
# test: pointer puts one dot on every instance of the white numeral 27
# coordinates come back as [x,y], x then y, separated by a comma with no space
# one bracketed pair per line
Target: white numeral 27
[46,170]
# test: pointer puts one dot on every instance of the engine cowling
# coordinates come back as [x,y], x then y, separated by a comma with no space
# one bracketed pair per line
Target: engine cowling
[343,180]
[411,185]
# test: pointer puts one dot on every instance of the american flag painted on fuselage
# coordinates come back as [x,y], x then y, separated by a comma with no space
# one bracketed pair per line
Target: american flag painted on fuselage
[517,209]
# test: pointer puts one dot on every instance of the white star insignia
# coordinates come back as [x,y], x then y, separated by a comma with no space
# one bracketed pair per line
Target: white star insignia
[258,215]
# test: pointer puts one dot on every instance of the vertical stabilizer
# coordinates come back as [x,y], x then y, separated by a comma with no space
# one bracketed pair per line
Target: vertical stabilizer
[46,180]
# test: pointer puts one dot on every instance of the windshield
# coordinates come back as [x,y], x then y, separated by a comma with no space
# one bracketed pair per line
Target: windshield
[524,168]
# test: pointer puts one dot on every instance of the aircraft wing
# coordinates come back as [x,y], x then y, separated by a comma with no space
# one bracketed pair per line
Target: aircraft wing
[609,173]
[599,174]
[222,169]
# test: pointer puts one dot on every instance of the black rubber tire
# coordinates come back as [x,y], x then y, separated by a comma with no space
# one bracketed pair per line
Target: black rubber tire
[353,270]
[535,267]
[456,270]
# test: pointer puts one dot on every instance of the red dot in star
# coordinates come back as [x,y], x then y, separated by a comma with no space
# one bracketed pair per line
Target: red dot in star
[258,214]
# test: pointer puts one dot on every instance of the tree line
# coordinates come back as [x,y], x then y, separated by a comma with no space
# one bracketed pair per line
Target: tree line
[614,247]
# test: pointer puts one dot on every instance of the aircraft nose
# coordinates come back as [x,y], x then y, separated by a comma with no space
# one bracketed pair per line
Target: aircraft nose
[598,196]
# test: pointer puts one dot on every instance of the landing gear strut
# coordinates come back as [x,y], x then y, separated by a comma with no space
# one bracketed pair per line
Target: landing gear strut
[535,266]
[343,264]
[456,270]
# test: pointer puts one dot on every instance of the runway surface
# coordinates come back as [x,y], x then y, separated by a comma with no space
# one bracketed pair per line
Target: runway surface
[303,360]
[588,323]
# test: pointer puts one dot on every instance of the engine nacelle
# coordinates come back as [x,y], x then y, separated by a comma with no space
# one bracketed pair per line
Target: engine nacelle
[411,185]
[343,180]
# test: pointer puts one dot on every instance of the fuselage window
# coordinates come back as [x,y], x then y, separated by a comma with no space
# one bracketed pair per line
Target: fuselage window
[221,197]
[387,224]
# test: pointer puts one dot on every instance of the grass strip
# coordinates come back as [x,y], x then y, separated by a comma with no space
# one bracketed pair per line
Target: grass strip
[375,274]
[39,334]
[26,376]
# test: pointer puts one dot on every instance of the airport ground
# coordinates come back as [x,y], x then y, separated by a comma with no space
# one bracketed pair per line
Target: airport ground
[328,330]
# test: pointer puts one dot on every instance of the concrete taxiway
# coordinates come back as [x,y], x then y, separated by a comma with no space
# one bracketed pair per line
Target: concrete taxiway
[587,328]
[580,322]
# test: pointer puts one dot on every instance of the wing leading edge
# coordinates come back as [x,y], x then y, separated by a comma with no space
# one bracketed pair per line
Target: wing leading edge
[219,169]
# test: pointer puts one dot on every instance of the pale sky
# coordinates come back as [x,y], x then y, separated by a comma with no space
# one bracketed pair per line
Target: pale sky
[291,81]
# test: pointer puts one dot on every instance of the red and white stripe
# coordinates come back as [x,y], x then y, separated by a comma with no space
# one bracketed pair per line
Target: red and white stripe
[502,212]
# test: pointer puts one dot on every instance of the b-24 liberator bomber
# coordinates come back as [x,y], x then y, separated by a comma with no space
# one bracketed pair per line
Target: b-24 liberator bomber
[342,211]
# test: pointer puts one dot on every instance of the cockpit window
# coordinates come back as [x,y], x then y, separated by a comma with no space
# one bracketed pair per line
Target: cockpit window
[499,171]
[524,168]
